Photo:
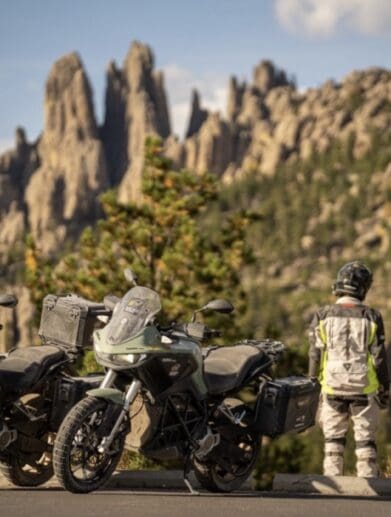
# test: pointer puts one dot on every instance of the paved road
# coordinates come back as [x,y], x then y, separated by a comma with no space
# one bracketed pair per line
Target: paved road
[56,503]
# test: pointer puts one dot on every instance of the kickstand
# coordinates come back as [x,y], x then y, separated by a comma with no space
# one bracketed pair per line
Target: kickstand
[186,473]
[191,489]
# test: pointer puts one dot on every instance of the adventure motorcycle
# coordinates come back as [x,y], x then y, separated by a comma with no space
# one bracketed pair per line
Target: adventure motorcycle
[167,398]
[37,390]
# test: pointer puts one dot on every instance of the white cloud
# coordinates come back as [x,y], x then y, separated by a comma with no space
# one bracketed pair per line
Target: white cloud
[180,82]
[322,18]
[180,115]
[6,144]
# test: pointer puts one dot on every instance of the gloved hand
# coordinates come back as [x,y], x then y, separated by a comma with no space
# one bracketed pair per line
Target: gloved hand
[383,396]
[315,380]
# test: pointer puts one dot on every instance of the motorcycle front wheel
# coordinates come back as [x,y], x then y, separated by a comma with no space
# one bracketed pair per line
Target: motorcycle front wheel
[78,464]
[228,474]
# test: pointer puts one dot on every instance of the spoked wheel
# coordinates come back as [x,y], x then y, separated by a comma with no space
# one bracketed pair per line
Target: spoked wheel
[78,464]
[29,469]
[235,464]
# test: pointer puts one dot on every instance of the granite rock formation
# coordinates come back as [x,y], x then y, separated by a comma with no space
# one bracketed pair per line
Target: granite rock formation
[221,144]
[197,115]
[16,167]
[269,122]
[136,106]
[50,187]
[61,196]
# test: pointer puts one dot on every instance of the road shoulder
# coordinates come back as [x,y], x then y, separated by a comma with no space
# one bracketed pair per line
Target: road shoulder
[328,485]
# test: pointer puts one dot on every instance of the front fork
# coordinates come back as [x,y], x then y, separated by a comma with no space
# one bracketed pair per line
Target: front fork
[108,379]
[130,395]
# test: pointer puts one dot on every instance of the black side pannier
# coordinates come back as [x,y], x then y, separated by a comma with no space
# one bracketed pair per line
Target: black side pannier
[69,320]
[68,391]
[287,405]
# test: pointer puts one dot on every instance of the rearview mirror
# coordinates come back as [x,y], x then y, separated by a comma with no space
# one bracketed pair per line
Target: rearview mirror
[110,301]
[8,300]
[219,305]
[130,276]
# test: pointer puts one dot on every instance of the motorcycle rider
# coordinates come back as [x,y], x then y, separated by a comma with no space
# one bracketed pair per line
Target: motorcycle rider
[347,353]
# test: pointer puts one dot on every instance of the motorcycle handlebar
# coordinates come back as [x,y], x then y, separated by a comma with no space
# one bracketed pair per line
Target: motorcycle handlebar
[110,301]
[214,332]
[194,330]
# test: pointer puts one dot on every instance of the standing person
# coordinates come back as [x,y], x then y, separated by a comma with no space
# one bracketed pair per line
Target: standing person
[347,353]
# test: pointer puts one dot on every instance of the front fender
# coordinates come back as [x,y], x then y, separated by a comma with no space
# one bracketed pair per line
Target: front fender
[111,394]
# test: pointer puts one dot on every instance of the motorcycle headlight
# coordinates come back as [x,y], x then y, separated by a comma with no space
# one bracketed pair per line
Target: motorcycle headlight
[130,358]
[113,360]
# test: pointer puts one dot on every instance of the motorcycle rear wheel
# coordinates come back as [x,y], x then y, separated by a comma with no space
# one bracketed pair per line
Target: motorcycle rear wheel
[214,478]
[23,467]
[31,474]
[30,469]
[78,465]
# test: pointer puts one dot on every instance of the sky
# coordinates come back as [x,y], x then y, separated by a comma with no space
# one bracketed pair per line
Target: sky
[197,43]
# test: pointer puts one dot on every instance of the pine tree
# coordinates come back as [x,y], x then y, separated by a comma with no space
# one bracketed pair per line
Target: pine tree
[161,238]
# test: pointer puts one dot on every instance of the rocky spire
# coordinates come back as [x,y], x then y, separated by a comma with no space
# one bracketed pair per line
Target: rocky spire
[136,99]
[114,130]
[197,115]
[267,76]
[50,187]
[20,138]
[16,167]
[68,101]
[19,163]
[235,98]
[160,101]
[61,196]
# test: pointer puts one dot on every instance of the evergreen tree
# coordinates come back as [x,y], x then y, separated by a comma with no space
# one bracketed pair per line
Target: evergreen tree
[161,238]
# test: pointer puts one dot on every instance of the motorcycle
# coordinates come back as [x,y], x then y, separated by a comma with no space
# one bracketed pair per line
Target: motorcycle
[36,391]
[166,397]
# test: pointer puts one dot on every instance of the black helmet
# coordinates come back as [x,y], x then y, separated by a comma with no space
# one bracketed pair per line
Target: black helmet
[353,279]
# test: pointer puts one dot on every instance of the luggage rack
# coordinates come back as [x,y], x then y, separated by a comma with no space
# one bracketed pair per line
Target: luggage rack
[274,349]
[68,320]
[269,346]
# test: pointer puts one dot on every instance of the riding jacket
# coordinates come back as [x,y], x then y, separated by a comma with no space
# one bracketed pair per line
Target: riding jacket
[347,350]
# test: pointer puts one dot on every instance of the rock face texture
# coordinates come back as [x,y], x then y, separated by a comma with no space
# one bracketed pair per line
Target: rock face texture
[197,116]
[61,195]
[221,144]
[269,122]
[50,187]
[16,167]
[136,106]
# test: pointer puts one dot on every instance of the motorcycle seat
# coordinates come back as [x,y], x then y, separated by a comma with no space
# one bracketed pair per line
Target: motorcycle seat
[226,367]
[24,367]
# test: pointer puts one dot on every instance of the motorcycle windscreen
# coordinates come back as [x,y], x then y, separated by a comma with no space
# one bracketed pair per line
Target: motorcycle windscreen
[135,310]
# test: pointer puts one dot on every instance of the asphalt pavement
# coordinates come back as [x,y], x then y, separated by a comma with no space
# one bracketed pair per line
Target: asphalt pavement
[48,502]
